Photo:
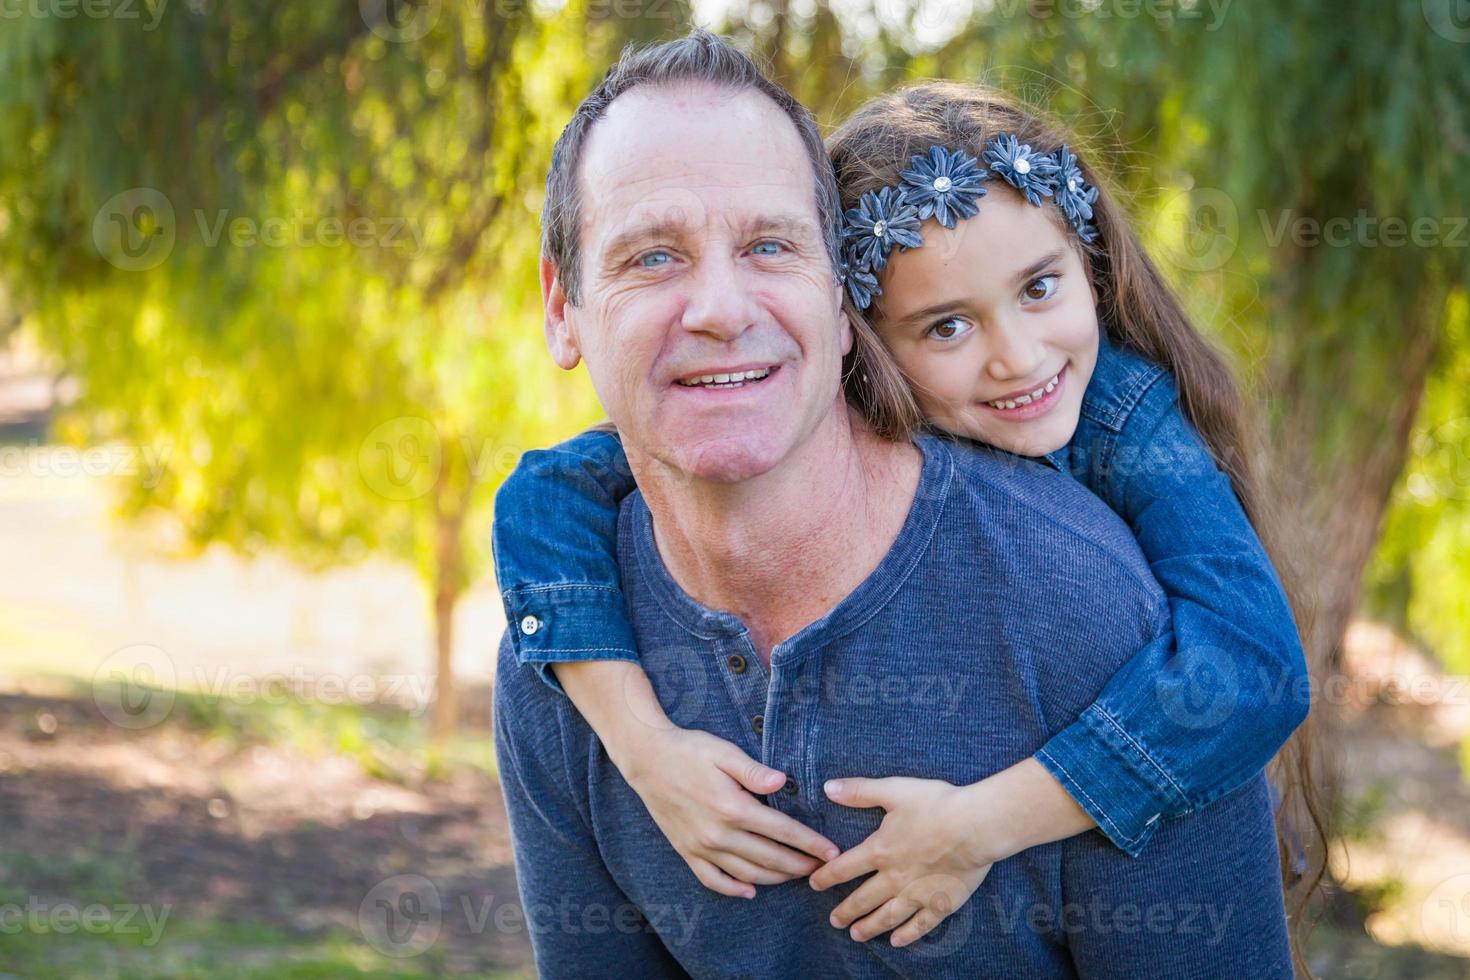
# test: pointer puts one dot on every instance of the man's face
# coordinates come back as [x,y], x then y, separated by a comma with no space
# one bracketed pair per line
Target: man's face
[710,320]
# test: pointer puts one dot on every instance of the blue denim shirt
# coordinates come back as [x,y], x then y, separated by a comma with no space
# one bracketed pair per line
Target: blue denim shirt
[1190,717]
[1007,600]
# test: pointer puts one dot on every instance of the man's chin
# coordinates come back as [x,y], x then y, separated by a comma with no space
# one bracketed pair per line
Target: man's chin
[723,458]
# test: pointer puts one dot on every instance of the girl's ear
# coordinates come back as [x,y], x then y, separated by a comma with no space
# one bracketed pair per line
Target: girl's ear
[561,338]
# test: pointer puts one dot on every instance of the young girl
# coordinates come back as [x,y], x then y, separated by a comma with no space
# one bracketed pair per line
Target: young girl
[1023,311]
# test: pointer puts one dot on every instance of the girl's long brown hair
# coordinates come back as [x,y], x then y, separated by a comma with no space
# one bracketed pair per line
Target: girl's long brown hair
[1140,311]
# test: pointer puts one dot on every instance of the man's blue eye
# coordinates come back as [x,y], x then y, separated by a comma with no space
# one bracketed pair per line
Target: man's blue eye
[774,246]
[1042,287]
[644,260]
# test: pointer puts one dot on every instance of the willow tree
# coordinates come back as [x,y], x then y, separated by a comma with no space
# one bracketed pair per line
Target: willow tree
[294,246]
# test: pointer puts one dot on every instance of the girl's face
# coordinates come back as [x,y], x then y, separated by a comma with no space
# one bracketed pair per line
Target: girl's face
[995,323]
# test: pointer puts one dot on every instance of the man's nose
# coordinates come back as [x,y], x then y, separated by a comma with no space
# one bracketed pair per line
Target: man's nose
[720,304]
[1014,352]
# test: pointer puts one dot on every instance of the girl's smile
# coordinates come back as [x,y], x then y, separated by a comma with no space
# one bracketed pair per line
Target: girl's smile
[1028,403]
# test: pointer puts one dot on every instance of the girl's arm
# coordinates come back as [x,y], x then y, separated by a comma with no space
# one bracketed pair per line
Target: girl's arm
[555,546]
[1196,713]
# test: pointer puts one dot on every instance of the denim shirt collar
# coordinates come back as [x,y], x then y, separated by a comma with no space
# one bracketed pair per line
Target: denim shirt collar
[857,607]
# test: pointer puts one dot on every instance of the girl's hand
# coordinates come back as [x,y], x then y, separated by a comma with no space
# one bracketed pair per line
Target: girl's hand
[926,853]
[938,841]
[698,789]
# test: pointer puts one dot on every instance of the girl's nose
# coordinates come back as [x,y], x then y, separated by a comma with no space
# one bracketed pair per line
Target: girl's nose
[1014,354]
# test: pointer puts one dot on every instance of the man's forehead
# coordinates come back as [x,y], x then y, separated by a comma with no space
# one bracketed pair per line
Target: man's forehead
[691,150]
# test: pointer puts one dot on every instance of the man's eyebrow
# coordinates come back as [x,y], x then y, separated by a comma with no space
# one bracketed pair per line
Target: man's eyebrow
[631,237]
[783,221]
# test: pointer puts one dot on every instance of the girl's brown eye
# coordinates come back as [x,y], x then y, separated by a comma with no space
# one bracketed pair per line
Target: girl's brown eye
[1041,287]
[945,330]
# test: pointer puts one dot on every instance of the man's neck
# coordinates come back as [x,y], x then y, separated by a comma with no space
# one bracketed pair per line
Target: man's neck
[780,550]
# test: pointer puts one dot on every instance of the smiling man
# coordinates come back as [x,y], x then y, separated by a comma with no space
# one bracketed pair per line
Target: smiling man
[798,572]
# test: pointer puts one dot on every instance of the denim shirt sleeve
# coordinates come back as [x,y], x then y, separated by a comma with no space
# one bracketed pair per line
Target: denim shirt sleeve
[1199,711]
[556,562]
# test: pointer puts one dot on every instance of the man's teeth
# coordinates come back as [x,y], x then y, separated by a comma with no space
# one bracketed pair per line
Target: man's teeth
[728,380]
[1045,389]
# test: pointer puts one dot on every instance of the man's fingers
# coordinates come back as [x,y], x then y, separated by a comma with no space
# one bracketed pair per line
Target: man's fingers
[772,823]
[871,894]
[716,880]
[847,866]
[894,912]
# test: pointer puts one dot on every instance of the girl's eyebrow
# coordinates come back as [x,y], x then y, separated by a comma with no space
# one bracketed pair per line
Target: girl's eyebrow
[1032,270]
[920,316]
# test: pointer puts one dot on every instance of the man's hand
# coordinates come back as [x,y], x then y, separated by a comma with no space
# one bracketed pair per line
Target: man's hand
[697,787]
[937,843]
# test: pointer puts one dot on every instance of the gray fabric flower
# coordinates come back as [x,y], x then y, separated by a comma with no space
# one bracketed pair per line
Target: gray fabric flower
[861,284]
[944,185]
[1074,193]
[1031,173]
[882,219]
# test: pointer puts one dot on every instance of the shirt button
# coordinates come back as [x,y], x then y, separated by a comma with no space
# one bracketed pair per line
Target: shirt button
[530,625]
[759,724]
[790,788]
[736,663]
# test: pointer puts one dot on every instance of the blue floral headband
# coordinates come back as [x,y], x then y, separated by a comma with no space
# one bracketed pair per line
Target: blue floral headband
[945,186]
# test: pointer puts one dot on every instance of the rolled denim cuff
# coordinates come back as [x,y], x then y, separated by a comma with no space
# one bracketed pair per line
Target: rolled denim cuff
[568,623]
[1111,777]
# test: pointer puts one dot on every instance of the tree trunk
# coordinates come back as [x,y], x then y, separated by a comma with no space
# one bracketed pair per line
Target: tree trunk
[1329,511]
[450,501]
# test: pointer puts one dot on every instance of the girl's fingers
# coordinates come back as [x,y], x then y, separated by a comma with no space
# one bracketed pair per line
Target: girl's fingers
[918,927]
[716,880]
[852,864]
[894,912]
[771,856]
[871,894]
[742,869]
[783,829]
[746,771]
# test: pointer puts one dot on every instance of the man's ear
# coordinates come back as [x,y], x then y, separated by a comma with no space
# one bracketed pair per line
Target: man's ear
[561,339]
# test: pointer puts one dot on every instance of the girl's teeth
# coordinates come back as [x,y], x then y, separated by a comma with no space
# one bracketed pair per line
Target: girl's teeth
[1036,395]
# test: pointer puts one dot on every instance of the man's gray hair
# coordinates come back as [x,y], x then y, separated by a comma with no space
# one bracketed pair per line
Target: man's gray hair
[701,56]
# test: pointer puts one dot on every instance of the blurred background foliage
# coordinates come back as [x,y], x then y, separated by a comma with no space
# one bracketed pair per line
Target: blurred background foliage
[170,184]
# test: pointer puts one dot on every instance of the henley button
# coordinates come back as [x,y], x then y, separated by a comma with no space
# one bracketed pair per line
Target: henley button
[790,788]
[736,663]
[759,724]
